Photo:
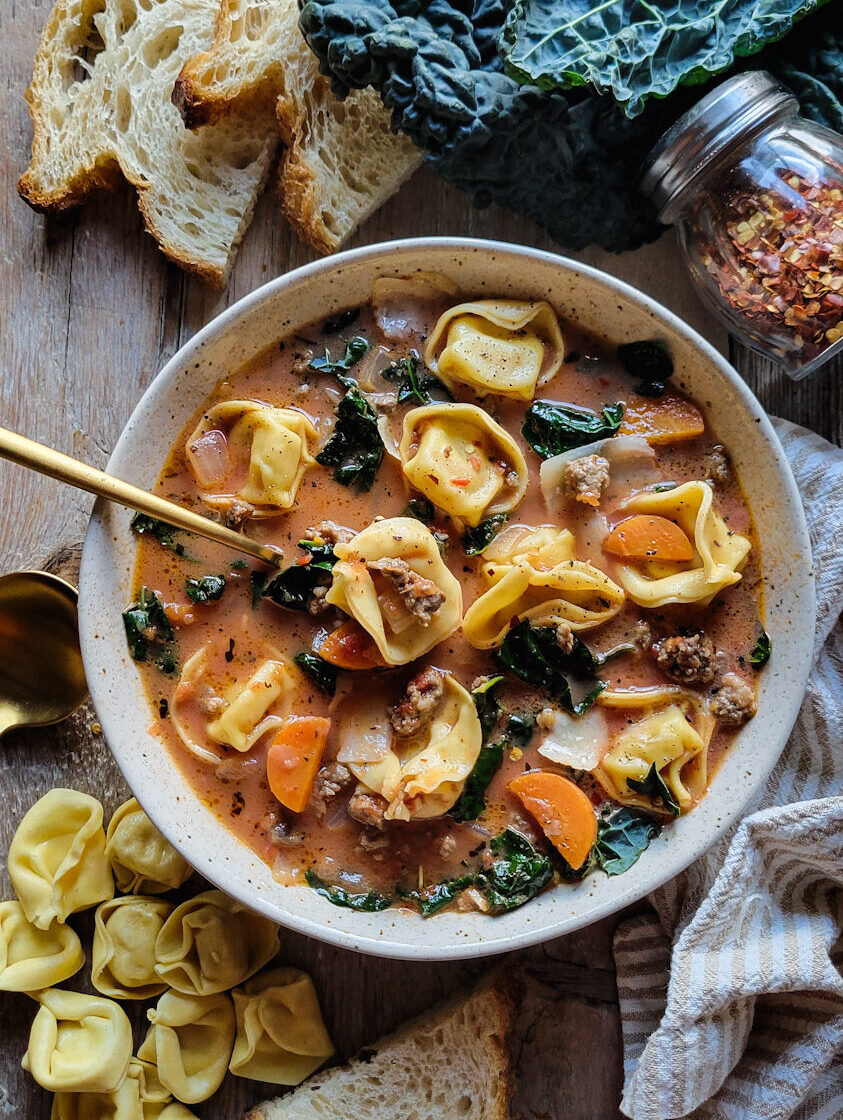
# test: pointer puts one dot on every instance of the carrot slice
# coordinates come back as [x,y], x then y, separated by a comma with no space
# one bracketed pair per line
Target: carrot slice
[294,758]
[564,812]
[351,647]
[646,536]
[667,419]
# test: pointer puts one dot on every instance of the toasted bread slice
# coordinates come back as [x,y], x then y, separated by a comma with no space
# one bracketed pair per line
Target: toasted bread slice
[453,1061]
[341,161]
[100,104]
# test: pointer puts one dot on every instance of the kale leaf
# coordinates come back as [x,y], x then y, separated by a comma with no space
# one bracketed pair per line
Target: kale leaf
[293,586]
[420,508]
[370,901]
[165,534]
[355,448]
[650,361]
[487,704]
[433,898]
[472,801]
[355,348]
[638,51]
[520,727]
[207,589]
[654,787]
[622,835]
[552,428]
[517,874]
[336,323]
[148,632]
[534,654]
[479,538]
[760,653]
[413,386]
[322,671]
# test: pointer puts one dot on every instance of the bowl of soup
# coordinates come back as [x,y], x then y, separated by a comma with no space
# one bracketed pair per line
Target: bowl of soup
[544,618]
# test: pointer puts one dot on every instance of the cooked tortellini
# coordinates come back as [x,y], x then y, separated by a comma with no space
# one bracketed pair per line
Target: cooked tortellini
[497,346]
[392,579]
[532,574]
[141,859]
[281,1037]
[246,712]
[419,775]
[463,461]
[211,942]
[33,958]
[719,553]
[673,735]
[78,1043]
[123,956]
[57,860]
[190,1042]
[277,443]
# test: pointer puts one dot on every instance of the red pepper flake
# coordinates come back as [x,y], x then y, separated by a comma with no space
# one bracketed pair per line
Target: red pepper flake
[461,482]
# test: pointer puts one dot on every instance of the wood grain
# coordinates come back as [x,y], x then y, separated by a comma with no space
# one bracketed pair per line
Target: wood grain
[90,312]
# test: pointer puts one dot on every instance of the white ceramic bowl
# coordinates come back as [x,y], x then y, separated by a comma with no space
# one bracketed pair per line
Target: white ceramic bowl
[602,305]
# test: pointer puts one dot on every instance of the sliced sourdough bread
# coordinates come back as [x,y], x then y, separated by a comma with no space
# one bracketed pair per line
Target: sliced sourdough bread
[341,161]
[452,1063]
[100,102]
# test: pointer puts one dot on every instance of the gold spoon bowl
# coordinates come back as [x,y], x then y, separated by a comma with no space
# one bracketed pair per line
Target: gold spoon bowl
[42,679]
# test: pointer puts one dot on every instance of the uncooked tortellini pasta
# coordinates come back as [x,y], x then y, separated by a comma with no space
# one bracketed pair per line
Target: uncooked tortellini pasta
[143,862]
[32,958]
[247,711]
[123,956]
[388,577]
[532,574]
[123,1103]
[719,553]
[463,461]
[190,1042]
[665,737]
[497,346]
[277,444]
[420,775]
[57,860]
[281,1037]
[78,1043]
[211,942]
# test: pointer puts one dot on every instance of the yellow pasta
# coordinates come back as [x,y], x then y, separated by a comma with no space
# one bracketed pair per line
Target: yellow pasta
[463,461]
[501,347]
[78,1043]
[57,860]
[422,775]
[143,862]
[359,589]
[123,954]
[211,942]
[533,575]
[673,735]
[122,1103]
[281,1036]
[244,719]
[33,958]
[280,444]
[190,1042]
[719,553]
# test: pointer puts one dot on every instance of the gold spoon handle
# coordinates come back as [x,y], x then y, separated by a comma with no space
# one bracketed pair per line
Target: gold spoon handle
[27,453]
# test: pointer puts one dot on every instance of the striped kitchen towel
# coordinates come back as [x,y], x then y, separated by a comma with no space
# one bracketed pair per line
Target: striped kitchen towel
[731,994]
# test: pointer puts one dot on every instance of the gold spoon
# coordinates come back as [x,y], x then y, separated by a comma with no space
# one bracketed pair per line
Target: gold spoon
[41,675]
[28,453]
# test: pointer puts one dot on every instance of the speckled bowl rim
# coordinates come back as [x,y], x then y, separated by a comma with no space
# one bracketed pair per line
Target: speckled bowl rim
[108,559]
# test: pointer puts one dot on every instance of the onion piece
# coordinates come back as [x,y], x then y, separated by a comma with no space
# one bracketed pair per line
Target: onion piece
[365,733]
[210,458]
[578,743]
[390,443]
[407,306]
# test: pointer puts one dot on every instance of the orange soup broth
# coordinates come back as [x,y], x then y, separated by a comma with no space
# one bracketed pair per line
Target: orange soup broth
[240,636]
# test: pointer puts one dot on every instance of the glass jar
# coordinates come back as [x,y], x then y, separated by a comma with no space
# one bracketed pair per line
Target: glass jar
[756,194]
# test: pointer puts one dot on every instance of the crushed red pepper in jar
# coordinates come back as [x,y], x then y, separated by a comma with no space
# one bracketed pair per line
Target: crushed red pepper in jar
[785,268]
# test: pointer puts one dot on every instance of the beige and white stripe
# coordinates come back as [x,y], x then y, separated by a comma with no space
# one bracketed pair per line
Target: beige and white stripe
[731,993]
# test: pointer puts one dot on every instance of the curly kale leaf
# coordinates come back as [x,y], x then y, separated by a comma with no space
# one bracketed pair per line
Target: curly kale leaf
[517,873]
[368,901]
[355,448]
[551,428]
[534,654]
[638,51]
[622,835]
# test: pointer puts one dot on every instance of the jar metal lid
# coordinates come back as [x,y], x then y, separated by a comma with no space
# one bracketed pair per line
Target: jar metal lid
[717,124]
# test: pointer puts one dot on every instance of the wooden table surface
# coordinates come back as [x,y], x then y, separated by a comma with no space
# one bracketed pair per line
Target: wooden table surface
[90,312]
